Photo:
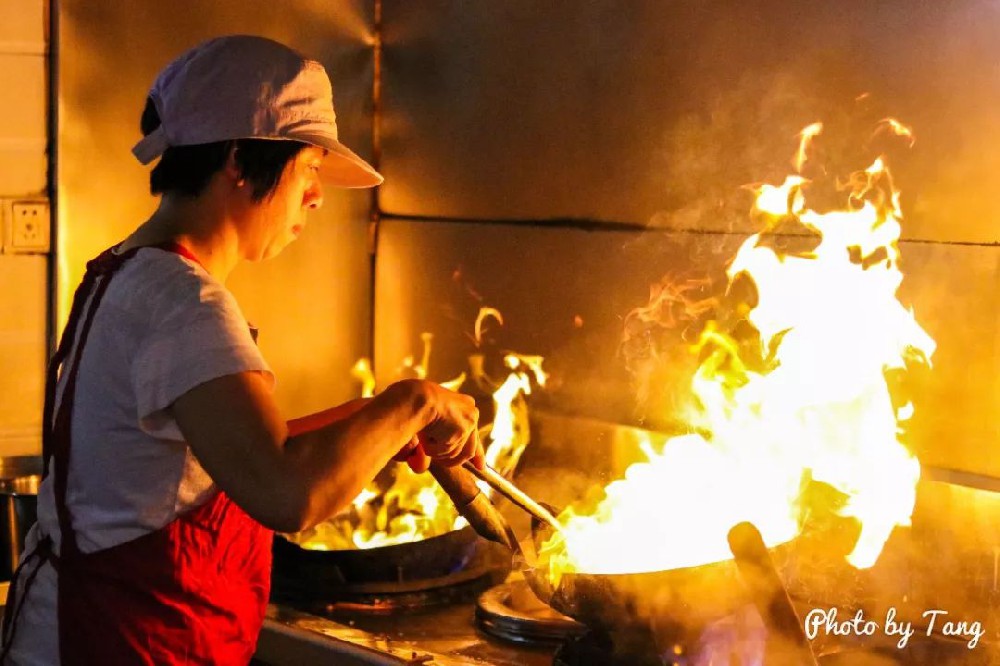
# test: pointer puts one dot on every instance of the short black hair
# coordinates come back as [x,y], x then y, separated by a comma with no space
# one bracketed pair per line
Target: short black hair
[186,170]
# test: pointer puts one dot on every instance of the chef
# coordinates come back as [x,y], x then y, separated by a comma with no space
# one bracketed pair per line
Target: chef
[168,463]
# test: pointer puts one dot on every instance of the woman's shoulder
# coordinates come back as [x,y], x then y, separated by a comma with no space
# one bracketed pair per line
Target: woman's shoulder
[159,284]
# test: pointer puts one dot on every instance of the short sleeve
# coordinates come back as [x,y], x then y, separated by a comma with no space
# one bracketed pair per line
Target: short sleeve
[196,333]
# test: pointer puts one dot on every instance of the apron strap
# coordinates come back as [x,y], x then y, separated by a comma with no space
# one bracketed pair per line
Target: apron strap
[56,428]
[42,551]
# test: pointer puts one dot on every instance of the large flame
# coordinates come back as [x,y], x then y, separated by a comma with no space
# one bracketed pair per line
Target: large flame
[407,506]
[807,402]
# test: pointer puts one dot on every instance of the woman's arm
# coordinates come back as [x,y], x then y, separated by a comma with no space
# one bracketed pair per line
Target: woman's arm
[290,482]
[326,417]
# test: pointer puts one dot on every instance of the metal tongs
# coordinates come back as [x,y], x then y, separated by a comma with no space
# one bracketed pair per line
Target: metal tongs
[473,504]
[517,496]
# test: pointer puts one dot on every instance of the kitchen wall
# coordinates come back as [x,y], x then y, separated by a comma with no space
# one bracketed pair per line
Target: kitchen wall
[24,260]
[311,303]
[555,159]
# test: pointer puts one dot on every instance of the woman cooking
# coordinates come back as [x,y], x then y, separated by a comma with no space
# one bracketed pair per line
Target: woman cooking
[168,463]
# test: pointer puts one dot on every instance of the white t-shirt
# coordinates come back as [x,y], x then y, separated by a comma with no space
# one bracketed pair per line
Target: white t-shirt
[163,327]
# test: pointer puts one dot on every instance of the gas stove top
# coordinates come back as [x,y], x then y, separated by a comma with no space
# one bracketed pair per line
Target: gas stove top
[496,632]
[949,559]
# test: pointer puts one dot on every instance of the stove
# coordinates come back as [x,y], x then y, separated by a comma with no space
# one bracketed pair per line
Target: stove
[949,559]
[506,626]
[511,612]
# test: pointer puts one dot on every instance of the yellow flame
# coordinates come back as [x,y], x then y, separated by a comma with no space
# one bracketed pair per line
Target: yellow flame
[533,364]
[785,199]
[805,138]
[454,384]
[897,128]
[362,371]
[415,369]
[363,498]
[413,506]
[816,406]
[484,314]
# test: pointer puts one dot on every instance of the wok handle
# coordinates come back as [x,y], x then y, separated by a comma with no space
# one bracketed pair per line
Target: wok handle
[770,597]
[474,506]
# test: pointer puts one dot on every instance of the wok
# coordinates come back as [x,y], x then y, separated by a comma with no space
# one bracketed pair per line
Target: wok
[447,559]
[659,612]
[641,613]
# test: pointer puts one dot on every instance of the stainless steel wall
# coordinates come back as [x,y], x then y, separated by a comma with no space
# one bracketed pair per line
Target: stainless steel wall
[312,302]
[640,114]
[655,114]
[626,111]
[23,175]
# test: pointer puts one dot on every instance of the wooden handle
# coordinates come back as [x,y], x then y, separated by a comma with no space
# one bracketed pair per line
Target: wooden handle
[789,644]
[460,485]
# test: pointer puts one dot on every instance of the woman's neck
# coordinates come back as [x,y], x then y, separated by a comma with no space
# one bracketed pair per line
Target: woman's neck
[203,229]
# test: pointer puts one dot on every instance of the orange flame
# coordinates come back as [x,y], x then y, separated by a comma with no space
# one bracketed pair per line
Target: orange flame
[484,314]
[806,137]
[815,405]
[412,507]
[897,128]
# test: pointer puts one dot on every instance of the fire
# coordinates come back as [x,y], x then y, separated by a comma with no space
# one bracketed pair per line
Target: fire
[402,506]
[806,136]
[802,399]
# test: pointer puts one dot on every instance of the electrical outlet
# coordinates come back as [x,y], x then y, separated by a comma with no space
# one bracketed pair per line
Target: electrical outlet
[28,227]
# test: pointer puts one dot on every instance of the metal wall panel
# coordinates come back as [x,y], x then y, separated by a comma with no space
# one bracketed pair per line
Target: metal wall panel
[563,294]
[655,110]
[312,302]
[22,352]
[953,290]
[23,164]
[23,115]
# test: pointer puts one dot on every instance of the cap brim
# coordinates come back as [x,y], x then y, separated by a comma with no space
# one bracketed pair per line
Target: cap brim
[342,167]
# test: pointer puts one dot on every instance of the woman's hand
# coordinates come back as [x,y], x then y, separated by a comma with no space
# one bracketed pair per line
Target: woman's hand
[451,436]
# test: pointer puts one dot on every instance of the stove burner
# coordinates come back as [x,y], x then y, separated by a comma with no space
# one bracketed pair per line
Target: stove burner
[459,588]
[455,568]
[511,612]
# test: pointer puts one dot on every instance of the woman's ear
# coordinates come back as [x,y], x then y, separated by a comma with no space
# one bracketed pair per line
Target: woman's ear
[232,169]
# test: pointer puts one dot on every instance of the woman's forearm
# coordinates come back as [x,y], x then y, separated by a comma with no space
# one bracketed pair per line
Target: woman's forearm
[338,459]
[319,420]
[289,482]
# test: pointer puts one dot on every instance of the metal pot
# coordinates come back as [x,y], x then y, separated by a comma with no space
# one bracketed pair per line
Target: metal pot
[316,575]
[19,479]
[632,607]
[675,600]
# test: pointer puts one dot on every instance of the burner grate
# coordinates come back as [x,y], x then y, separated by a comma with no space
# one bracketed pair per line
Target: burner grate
[511,612]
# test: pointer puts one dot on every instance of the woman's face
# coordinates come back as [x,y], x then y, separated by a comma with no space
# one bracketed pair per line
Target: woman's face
[279,219]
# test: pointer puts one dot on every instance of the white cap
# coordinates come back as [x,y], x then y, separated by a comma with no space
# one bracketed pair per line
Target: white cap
[247,87]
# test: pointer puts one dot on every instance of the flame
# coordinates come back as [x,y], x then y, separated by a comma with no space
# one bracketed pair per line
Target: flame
[403,506]
[362,371]
[484,314]
[897,128]
[418,370]
[806,401]
[806,137]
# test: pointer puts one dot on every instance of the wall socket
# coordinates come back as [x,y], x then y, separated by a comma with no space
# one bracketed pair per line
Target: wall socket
[27,226]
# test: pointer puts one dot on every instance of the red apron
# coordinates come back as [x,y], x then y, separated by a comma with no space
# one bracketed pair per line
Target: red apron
[192,592]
